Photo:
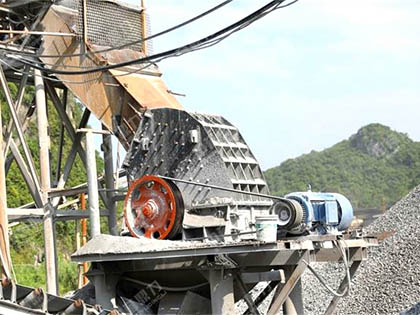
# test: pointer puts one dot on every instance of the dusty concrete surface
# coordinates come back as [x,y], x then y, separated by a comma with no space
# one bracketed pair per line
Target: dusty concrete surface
[108,244]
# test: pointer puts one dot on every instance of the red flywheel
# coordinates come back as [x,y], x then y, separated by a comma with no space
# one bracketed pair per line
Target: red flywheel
[153,208]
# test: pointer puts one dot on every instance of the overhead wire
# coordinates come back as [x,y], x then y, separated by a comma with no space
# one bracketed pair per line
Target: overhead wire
[126,72]
[199,44]
[166,31]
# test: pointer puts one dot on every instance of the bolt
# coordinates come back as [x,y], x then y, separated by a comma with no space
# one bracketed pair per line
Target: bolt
[150,208]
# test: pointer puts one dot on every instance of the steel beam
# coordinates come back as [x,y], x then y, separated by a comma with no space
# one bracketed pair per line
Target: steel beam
[221,291]
[19,100]
[253,309]
[61,143]
[109,182]
[4,240]
[75,137]
[334,302]
[263,295]
[254,277]
[10,157]
[44,158]
[105,287]
[283,291]
[36,194]
[64,117]
[71,156]
[95,222]
[294,303]
[18,126]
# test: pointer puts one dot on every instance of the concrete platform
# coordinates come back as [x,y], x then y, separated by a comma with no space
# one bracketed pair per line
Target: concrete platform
[104,248]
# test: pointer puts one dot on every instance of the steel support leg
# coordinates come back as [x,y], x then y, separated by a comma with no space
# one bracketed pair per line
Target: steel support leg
[36,194]
[4,240]
[253,309]
[73,136]
[95,222]
[18,126]
[334,302]
[283,291]
[19,100]
[110,183]
[44,158]
[105,287]
[61,143]
[221,290]
[294,303]
[71,156]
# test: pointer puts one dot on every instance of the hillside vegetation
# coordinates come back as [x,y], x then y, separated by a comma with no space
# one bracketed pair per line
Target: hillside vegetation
[374,168]
[26,239]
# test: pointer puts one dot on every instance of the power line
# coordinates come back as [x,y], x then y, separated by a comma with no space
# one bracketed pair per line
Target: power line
[199,44]
[126,72]
[173,28]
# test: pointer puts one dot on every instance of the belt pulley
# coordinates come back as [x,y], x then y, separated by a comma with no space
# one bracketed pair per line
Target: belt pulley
[153,208]
[289,212]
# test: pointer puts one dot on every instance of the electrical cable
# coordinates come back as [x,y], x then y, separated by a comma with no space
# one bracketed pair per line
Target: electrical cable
[71,81]
[173,28]
[172,289]
[324,283]
[176,51]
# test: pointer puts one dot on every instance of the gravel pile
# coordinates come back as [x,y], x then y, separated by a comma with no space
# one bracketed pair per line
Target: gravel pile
[389,281]
[415,310]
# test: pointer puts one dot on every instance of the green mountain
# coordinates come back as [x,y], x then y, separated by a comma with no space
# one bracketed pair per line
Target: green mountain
[26,238]
[374,168]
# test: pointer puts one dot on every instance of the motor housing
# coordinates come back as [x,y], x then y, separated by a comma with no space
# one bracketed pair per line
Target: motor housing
[323,213]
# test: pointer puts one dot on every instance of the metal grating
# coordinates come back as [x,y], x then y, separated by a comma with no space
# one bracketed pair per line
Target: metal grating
[110,24]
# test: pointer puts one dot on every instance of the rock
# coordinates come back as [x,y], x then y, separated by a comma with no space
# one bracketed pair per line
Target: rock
[389,281]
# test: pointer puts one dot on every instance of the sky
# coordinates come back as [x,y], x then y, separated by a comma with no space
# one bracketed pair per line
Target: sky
[302,78]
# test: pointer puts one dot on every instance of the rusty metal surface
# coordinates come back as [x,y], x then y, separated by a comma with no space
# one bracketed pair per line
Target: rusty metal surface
[150,91]
[117,98]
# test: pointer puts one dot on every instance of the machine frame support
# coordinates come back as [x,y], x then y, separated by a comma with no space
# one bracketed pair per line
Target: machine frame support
[105,287]
[4,241]
[19,98]
[110,182]
[283,290]
[19,130]
[94,215]
[44,158]
[221,291]
[72,156]
[334,302]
